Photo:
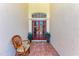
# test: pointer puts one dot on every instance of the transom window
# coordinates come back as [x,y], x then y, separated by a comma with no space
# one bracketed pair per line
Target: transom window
[39,15]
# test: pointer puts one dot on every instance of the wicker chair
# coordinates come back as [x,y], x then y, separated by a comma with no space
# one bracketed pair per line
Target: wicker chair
[22,47]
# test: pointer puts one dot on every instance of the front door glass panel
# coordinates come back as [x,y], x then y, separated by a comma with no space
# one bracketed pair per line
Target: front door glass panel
[38,29]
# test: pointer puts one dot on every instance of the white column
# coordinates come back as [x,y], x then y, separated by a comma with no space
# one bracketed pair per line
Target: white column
[30,25]
[48,25]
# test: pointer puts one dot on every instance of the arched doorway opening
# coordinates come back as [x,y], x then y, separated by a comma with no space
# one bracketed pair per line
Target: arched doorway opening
[39,27]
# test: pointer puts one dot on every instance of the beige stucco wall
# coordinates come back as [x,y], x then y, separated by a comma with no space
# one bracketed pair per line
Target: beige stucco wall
[39,7]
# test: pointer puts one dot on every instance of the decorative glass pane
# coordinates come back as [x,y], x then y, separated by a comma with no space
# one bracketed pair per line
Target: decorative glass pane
[39,15]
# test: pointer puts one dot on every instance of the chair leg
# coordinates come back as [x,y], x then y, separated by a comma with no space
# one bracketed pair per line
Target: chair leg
[16,54]
[20,54]
[27,52]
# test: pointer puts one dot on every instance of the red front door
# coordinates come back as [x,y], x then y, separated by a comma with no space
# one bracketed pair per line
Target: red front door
[38,29]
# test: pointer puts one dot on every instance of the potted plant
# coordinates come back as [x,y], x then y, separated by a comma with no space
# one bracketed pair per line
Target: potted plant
[30,36]
[47,36]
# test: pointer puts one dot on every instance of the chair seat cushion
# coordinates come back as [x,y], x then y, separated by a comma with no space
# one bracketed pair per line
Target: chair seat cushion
[20,49]
[25,46]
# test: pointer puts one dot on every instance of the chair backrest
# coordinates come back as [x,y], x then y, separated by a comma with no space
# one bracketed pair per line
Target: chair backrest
[17,41]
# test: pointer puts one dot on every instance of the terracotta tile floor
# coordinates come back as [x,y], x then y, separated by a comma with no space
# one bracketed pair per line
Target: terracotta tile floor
[42,49]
